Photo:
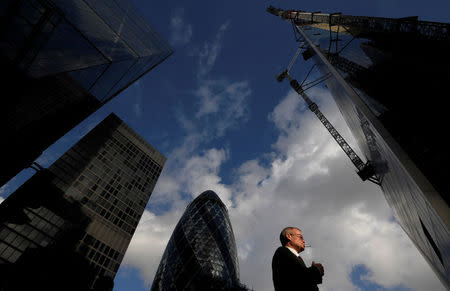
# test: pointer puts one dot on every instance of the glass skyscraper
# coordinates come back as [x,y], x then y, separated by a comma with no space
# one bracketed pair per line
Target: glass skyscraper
[201,253]
[60,61]
[74,221]
[388,77]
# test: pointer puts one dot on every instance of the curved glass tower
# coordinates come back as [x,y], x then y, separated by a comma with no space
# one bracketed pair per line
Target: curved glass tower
[201,253]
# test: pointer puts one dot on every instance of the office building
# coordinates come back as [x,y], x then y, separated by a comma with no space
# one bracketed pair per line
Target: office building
[85,207]
[389,78]
[201,253]
[61,60]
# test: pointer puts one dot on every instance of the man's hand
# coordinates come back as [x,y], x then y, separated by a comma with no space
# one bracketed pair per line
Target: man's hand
[318,266]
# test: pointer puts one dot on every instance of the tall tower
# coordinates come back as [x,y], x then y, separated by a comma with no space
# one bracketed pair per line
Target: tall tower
[85,207]
[201,253]
[60,61]
[387,77]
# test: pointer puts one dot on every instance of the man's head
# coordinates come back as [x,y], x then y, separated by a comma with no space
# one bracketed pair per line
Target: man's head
[292,237]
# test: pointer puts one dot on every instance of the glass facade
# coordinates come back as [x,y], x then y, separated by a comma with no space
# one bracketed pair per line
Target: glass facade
[103,45]
[109,175]
[63,60]
[376,76]
[201,253]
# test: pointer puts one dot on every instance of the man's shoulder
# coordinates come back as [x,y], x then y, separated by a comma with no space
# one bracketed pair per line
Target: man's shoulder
[280,257]
[282,251]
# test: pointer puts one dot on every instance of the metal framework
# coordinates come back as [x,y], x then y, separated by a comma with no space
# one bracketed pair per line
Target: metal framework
[344,64]
[365,171]
[362,25]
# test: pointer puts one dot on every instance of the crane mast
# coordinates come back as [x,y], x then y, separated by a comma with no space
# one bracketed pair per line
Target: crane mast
[365,171]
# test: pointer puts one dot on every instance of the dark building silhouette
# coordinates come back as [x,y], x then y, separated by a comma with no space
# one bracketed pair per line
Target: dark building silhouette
[71,224]
[201,253]
[39,229]
[60,61]
[389,78]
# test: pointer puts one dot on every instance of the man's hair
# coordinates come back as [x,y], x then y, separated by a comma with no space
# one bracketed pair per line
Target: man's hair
[283,239]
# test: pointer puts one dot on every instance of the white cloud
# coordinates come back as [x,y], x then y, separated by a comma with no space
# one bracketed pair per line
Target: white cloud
[149,241]
[192,174]
[228,98]
[218,99]
[181,32]
[210,50]
[137,106]
[209,101]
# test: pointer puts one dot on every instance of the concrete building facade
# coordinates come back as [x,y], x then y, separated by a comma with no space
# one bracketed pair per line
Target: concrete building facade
[87,204]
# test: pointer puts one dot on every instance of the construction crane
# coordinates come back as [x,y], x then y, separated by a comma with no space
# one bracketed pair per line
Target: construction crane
[366,25]
[365,171]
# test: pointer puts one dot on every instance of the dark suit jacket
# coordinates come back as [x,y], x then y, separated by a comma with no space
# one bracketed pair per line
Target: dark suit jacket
[290,273]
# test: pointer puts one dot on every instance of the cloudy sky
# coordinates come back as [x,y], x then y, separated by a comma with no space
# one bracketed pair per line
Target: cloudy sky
[215,110]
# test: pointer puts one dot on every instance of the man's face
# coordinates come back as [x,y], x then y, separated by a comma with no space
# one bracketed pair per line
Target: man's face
[296,240]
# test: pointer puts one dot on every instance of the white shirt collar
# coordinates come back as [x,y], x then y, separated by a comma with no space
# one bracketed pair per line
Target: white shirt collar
[293,251]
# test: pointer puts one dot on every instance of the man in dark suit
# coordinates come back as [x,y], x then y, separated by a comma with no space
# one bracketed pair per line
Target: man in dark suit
[289,272]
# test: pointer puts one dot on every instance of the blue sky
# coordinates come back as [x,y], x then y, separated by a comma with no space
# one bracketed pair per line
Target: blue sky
[215,110]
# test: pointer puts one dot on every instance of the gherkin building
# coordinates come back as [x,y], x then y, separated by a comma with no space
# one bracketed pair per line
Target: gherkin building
[201,253]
